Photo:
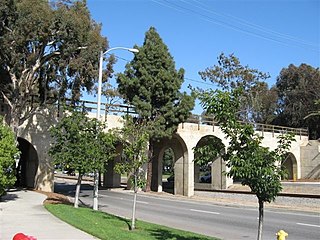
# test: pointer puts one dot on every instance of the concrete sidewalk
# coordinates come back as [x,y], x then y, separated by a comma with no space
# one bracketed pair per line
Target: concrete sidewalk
[23,211]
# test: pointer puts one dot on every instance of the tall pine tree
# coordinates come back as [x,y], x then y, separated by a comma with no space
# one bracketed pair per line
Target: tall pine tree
[151,84]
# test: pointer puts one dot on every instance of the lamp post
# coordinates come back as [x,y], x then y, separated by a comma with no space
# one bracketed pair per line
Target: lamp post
[96,175]
[133,50]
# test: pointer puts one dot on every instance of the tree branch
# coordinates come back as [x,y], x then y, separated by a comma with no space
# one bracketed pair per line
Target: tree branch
[49,56]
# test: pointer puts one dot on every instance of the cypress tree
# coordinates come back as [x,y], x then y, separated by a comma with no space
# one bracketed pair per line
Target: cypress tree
[152,85]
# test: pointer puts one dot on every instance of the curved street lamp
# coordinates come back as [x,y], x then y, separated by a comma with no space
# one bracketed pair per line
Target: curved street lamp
[133,50]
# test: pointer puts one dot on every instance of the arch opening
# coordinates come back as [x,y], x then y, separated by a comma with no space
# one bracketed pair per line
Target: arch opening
[175,151]
[168,160]
[209,167]
[290,165]
[27,166]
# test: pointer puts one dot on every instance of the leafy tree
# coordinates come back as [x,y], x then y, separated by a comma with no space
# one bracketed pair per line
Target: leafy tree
[258,167]
[229,74]
[264,102]
[315,113]
[299,89]
[168,161]
[81,144]
[211,147]
[8,153]
[151,84]
[134,138]
[48,49]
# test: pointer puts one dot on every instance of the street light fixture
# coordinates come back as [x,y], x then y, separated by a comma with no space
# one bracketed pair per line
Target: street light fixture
[133,50]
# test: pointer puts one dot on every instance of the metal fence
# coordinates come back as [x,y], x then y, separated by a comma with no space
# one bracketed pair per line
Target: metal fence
[209,120]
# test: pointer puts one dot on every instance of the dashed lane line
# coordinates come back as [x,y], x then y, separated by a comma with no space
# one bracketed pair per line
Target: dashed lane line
[309,225]
[202,211]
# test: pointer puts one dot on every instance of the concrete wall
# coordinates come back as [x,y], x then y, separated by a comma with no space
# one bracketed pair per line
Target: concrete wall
[36,131]
[310,160]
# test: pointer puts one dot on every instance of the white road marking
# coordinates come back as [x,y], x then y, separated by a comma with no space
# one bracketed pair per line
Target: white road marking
[309,225]
[142,202]
[195,210]
[121,198]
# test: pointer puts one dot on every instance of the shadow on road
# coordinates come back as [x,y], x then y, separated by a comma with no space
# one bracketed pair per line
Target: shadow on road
[70,189]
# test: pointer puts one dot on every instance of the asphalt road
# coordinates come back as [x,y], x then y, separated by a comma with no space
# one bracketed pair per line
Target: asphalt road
[225,222]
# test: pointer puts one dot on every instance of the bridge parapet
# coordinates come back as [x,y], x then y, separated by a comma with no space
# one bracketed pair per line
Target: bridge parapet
[259,127]
[199,120]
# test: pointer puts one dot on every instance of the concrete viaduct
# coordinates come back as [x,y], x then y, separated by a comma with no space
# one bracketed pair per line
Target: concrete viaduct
[36,169]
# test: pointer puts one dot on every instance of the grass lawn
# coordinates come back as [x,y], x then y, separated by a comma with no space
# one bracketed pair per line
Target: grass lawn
[106,226]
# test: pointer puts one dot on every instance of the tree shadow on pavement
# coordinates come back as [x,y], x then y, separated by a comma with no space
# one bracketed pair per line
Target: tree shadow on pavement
[69,189]
[8,197]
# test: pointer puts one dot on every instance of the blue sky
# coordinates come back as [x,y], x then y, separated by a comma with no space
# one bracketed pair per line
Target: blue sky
[264,34]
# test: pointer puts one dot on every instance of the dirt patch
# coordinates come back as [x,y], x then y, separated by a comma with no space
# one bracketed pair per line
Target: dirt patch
[55,198]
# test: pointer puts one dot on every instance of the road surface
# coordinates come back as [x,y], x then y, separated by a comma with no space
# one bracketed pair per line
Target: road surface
[208,218]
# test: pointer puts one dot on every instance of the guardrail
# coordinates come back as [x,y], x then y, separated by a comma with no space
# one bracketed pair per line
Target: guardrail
[209,120]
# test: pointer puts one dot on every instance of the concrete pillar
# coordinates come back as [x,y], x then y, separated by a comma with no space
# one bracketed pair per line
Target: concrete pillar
[179,176]
[196,173]
[156,183]
[188,188]
[218,177]
[110,177]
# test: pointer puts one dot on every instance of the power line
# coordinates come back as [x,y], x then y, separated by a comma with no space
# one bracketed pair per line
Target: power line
[185,78]
[222,23]
[250,24]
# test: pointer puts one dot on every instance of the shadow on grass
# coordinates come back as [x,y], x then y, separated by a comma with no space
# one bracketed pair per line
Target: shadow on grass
[166,234]
[112,217]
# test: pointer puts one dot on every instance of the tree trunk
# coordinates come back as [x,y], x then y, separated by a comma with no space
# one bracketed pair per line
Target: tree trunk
[13,119]
[95,190]
[149,170]
[76,199]
[133,221]
[260,228]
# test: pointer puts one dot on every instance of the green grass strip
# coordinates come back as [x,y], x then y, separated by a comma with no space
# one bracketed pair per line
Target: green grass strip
[106,226]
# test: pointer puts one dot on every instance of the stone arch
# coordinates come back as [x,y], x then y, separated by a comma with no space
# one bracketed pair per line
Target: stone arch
[290,164]
[27,166]
[211,175]
[180,153]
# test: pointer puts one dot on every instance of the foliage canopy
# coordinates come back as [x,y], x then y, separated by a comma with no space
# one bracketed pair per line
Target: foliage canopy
[151,84]
[230,74]
[8,153]
[258,167]
[48,49]
[81,143]
[299,90]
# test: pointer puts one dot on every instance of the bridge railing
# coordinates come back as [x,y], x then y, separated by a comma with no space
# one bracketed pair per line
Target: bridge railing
[209,120]
[121,109]
[91,107]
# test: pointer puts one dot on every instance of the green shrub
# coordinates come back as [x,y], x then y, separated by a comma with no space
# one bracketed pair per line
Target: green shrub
[8,153]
